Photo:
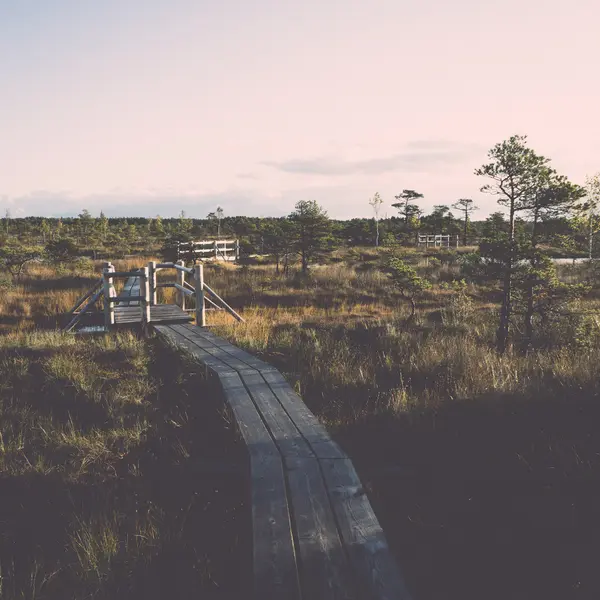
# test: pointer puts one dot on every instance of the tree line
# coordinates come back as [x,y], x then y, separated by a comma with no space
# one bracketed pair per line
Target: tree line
[542,212]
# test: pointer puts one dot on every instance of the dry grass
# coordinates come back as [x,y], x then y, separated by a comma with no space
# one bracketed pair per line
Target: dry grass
[482,468]
[99,438]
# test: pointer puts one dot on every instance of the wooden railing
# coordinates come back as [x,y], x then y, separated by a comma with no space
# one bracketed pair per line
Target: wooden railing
[149,285]
[437,240]
[227,250]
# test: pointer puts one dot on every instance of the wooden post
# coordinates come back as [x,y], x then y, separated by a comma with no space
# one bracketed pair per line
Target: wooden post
[181,282]
[153,288]
[199,287]
[109,307]
[237,250]
[146,293]
[216,250]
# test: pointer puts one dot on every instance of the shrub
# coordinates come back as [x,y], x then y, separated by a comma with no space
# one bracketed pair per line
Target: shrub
[407,282]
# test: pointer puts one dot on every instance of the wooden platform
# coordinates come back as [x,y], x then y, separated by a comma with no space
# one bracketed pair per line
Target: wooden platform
[315,536]
[131,288]
[160,313]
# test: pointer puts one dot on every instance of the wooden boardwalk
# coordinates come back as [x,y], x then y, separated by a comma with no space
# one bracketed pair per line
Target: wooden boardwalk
[138,301]
[315,535]
[160,313]
[128,312]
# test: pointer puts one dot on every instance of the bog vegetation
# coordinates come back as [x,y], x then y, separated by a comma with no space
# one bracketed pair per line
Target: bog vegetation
[464,383]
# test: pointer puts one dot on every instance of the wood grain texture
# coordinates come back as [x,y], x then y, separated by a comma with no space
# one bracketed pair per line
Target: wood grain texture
[309,426]
[273,553]
[313,525]
[378,577]
[324,569]
[285,434]
[190,333]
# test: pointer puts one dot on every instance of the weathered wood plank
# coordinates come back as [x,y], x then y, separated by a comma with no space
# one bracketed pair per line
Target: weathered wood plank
[309,426]
[191,335]
[274,560]
[209,361]
[324,570]
[210,338]
[342,551]
[251,426]
[282,429]
[373,565]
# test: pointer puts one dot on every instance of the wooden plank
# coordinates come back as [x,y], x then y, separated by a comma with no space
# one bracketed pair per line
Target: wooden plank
[273,554]
[83,298]
[226,306]
[125,274]
[250,424]
[210,338]
[192,336]
[309,426]
[179,342]
[343,553]
[282,429]
[378,577]
[274,558]
[323,567]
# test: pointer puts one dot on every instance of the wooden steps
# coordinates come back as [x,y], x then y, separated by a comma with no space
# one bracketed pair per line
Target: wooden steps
[315,536]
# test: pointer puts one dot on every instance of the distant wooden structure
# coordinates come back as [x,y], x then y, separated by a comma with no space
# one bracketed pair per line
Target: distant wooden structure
[437,240]
[138,301]
[214,250]
[315,535]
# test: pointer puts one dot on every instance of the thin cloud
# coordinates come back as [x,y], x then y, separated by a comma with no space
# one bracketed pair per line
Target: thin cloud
[421,156]
[140,204]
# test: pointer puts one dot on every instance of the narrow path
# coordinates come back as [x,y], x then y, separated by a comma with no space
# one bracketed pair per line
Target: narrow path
[315,535]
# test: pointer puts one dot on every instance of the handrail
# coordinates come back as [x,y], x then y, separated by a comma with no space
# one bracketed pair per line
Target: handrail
[225,305]
[184,290]
[175,266]
[122,273]
[86,296]
[126,298]
[79,315]
[148,287]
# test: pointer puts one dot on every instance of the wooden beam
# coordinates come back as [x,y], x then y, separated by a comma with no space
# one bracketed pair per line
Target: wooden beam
[152,275]
[146,300]
[109,307]
[225,305]
[180,285]
[200,285]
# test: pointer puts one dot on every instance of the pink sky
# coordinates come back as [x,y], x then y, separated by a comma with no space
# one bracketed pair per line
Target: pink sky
[144,107]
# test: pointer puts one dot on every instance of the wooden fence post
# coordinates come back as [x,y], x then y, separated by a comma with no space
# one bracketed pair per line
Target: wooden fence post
[181,282]
[153,288]
[146,294]
[199,287]
[109,307]
[237,250]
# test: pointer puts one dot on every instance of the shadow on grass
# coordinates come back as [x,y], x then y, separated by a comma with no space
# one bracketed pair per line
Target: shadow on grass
[495,498]
[193,522]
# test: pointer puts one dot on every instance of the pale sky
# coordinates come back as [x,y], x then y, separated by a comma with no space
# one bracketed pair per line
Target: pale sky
[145,107]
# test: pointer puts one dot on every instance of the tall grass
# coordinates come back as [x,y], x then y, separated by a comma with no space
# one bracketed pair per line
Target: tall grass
[100,438]
[482,468]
